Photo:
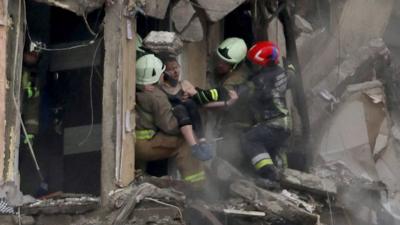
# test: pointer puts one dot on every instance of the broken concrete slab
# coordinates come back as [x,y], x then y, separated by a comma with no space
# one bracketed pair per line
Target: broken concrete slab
[66,204]
[216,10]
[156,9]
[387,166]
[120,196]
[157,216]
[382,140]
[194,31]
[362,66]
[163,41]
[302,24]
[346,140]
[133,195]
[308,183]
[396,132]
[80,7]
[277,207]
[181,14]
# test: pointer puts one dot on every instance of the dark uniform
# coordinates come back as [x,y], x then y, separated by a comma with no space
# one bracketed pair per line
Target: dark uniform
[262,142]
[235,119]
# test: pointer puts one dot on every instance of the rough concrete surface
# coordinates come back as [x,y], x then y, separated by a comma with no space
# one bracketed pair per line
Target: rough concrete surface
[181,14]
[80,7]
[194,31]
[216,10]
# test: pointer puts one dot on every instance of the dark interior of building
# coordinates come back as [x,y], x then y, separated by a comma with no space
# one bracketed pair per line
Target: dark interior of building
[69,77]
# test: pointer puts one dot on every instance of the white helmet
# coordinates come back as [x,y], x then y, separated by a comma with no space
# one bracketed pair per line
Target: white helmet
[232,50]
[148,69]
[139,43]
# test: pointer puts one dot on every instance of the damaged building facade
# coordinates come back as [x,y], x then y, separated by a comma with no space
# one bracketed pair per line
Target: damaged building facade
[345,97]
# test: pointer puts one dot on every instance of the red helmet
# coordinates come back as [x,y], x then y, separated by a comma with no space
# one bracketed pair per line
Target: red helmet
[263,53]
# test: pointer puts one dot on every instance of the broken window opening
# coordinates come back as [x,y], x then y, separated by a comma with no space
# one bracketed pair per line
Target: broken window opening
[61,94]
[238,23]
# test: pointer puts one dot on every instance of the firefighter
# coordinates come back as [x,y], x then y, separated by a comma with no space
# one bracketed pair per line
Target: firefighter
[262,142]
[185,96]
[231,71]
[31,95]
[139,46]
[157,129]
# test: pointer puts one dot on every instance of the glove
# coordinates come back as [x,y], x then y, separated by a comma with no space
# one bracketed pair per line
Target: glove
[203,97]
[202,151]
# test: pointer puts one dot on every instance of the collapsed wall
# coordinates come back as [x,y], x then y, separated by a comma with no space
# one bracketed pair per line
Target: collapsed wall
[350,81]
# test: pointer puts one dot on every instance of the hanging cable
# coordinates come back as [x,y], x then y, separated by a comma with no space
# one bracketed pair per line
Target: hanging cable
[91,94]
[16,103]
[28,34]
[88,26]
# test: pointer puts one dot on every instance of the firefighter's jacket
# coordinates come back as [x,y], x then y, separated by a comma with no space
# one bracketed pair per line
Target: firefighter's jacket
[237,115]
[154,113]
[268,99]
[31,101]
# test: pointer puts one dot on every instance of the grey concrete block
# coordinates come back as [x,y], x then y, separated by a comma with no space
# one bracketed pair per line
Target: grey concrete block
[194,32]
[216,10]
[162,41]
[156,9]
[181,14]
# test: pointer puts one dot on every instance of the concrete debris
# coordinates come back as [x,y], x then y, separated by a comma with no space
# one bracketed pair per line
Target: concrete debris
[181,14]
[120,196]
[80,7]
[349,137]
[302,24]
[295,199]
[362,66]
[10,192]
[65,204]
[208,217]
[382,140]
[163,41]
[157,215]
[396,132]
[136,194]
[194,31]
[277,207]
[156,9]
[308,183]
[216,10]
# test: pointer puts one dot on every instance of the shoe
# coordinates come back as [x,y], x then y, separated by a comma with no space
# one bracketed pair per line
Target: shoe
[202,151]
[269,172]
[267,184]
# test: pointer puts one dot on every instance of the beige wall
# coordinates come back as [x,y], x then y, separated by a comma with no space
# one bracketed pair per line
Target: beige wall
[3,41]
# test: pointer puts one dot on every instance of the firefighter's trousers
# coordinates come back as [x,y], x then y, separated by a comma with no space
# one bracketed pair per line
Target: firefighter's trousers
[262,142]
[162,146]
